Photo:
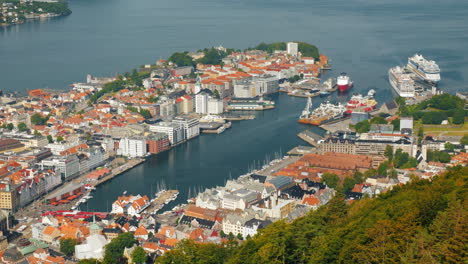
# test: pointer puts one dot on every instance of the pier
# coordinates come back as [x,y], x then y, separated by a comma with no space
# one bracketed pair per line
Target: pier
[310,137]
[238,117]
[160,201]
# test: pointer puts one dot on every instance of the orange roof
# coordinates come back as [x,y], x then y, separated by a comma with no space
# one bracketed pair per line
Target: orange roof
[150,246]
[141,231]
[312,200]
[49,230]
[171,241]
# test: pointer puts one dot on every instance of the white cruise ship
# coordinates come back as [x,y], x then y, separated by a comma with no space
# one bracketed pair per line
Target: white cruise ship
[425,69]
[401,82]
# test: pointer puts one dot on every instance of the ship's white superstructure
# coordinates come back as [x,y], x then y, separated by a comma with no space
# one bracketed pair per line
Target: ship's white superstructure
[401,81]
[343,82]
[425,69]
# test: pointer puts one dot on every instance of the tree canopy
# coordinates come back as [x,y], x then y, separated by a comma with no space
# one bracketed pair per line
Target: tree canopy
[331,180]
[437,109]
[181,59]
[114,250]
[37,119]
[139,255]
[67,246]
[306,49]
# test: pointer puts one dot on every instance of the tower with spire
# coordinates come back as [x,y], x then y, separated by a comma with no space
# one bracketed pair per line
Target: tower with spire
[198,86]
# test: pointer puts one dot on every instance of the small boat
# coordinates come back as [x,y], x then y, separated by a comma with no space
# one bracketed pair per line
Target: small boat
[125,192]
[324,93]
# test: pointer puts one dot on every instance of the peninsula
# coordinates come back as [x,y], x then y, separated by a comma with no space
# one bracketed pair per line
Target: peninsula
[17,12]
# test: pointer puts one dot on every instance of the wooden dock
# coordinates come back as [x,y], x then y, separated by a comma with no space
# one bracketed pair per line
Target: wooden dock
[158,203]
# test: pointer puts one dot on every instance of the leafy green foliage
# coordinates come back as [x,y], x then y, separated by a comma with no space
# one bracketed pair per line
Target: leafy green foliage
[295,78]
[396,124]
[420,222]
[449,146]
[378,120]
[89,261]
[37,119]
[59,139]
[181,59]
[212,56]
[216,94]
[50,139]
[188,251]
[67,246]
[434,117]
[437,109]
[143,112]
[402,160]
[383,168]
[464,140]
[362,127]
[114,250]
[306,49]
[459,116]
[331,180]
[152,99]
[388,152]
[139,255]
[22,127]
[438,156]
[111,87]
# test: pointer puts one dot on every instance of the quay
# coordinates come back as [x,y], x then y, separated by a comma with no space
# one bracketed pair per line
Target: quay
[301,150]
[238,117]
[160,201]
[342,124]
[119,170]
[310,137]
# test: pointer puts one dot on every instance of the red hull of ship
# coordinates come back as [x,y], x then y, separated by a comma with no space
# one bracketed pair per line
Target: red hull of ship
[344,88]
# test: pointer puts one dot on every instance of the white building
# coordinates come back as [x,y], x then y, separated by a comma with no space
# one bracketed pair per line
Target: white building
[67,166]
[406,123]
[132,147]
[292,48]
[175,132]
[201,103]
[191,126]
[95,156]
[239,199]
[59,147]
[256,86]
[215,106]
[93,248]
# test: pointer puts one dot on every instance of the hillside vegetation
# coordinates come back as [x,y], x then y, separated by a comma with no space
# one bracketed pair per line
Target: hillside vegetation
[421,222]
[306,49]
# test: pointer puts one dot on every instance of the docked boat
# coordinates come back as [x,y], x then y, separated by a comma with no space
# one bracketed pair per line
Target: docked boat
[343,82]
[325,113]
[402,81]
[359,103]
[424,69]
[324,93]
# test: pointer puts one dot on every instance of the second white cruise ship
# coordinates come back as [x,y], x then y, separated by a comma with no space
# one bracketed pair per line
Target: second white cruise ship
[425,69]
[401,81]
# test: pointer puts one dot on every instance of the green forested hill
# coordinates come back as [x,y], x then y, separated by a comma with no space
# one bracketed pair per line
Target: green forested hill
[421,222]
[307,50]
